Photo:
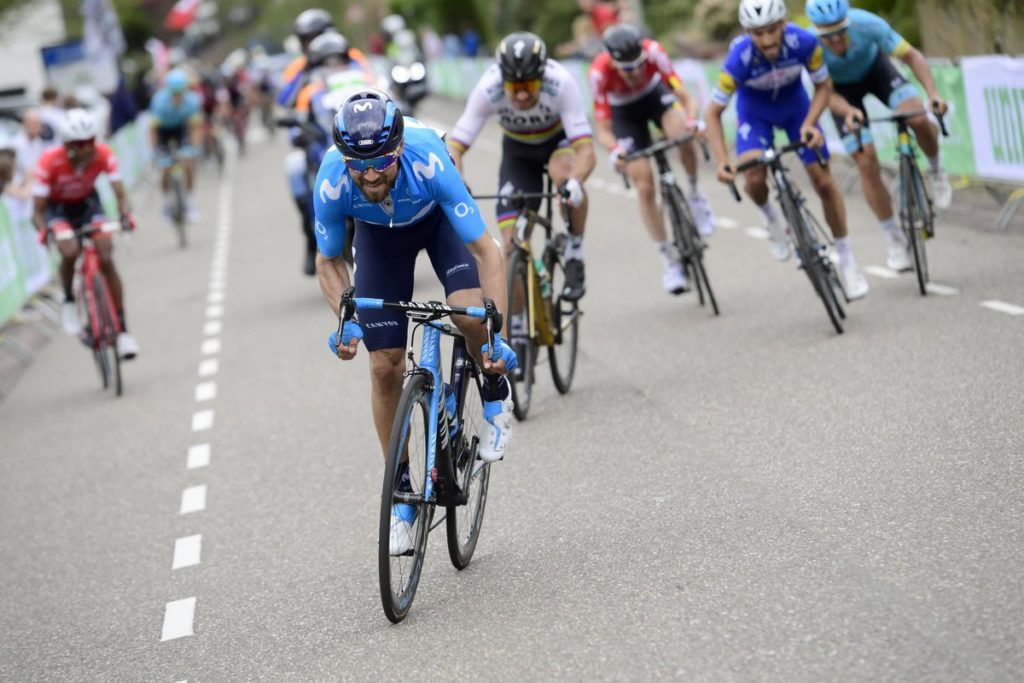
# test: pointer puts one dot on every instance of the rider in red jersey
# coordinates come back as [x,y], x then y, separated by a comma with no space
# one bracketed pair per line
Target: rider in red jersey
[66,201]
[634,84]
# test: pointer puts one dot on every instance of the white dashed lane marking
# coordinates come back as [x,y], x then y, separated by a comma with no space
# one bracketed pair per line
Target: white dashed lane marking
[198,456]
[214,311]
[211,346]
[879,271]
[1003,307]
[193,499]
[941,290]
[212,327]
[208,367]
[202,420]
[206,391]
[756,233]
[187,551]
[215,297]
[726,223]
[179,616]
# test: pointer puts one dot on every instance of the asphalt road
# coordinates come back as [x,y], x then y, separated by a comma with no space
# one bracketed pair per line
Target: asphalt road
[750,497]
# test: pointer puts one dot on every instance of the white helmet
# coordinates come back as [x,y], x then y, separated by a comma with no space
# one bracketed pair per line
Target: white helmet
[392,24]
[759,13]
[79,125]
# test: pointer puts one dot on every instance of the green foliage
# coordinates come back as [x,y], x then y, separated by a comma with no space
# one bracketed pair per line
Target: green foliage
[901,14]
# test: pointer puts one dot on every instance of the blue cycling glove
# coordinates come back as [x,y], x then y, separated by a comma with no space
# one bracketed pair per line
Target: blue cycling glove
[502,351]
[350,331]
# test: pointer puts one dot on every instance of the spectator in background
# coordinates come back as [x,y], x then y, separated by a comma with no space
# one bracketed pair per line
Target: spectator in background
[123,109]
[433,46]
[602,14]
[470,42]
[29,145]
[52,115]
[7,154]
[452,45]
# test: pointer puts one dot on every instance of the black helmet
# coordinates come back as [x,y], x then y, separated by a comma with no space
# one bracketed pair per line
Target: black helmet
[368,125]
[521,56]
[623,42]
[311,23]
[325,46]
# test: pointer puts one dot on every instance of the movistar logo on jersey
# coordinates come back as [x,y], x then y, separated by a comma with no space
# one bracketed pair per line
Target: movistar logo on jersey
[429,170]
[332,192]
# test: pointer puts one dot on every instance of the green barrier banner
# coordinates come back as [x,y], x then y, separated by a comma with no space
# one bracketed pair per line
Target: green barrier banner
[994,89]
[12,279]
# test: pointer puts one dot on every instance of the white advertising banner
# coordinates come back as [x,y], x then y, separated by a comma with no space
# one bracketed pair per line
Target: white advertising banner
[994,89]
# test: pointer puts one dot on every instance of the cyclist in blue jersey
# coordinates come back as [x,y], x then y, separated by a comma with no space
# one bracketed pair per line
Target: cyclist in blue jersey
[858,47]
[764,68]
[176,115]
[393,175]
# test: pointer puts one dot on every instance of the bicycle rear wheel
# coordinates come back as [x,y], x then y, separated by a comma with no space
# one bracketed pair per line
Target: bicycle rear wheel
[473,474]
[565,320]
[521,379]
[691,248]
[400,574]
[813,262]
[178,213]
[107,340]
[917,219]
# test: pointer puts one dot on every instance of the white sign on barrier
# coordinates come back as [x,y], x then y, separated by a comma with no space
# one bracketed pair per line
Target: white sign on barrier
[994,88]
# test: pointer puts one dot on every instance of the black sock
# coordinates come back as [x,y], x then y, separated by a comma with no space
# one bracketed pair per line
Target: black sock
[495,388]
[69,295]
[124,325]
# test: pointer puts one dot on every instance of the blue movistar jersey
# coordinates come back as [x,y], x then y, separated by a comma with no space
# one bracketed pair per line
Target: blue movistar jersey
[168,115]
[760,83]
[868,33]
[427,179]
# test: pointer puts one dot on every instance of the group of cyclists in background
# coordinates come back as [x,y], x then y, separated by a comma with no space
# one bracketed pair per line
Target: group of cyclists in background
[364,175]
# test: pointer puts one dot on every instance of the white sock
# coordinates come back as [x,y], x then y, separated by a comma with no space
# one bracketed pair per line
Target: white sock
[934,163]
[891,228]
[694,184]
[666,250]
[771,214]
[844,250]
[574,248]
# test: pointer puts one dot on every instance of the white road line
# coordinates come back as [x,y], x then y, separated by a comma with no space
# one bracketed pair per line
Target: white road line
[215,297]
[206,391]
[941,290]
[198,456]
[193,499]
[208,367]
[726,223]
[217,283]
[212,327]
[597,183]
[187,551]
[631,193]
[1002,307]
[211,346]
[757,233]
[202,420]
[884,273]
[179,616]
[214,311]
[615,189]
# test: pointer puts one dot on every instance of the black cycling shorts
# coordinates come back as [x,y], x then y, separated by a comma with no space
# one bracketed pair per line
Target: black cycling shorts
[523,167]
[630,121]
[883,80]
[74,215]
[165,136]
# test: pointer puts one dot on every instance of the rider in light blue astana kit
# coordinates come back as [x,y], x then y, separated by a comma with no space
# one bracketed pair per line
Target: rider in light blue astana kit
[858,47]
[176,115]
[393,175]
[764,70]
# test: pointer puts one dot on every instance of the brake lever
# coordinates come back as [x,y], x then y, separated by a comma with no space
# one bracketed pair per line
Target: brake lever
[493,321]
[704,148]
[940,117]
[345,310]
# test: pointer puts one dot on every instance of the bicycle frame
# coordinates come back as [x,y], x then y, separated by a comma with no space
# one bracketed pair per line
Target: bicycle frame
[87,268]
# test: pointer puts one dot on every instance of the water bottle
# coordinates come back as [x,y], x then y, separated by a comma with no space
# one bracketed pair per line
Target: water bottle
[543,276]
[449,407]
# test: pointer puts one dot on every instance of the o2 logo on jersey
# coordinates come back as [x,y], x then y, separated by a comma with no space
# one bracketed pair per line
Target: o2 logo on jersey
[332,192]
[462,209]
[429,170]
[321,228]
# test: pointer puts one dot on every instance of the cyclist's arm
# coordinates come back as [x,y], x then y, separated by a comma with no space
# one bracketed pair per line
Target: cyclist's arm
[668,73]
[604,134]
[122,197]
[822,85]
[919,65]
[332,274]
[715,133]
[39,213]
[329,213]
[577,130]
[491,266]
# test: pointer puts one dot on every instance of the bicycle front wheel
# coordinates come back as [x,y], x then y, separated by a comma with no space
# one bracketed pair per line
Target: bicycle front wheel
[691,248]
[472,473]
[523,344]
[178,214]
[400,572]
[916,219]
[108,334]
[813,262]
[565,321]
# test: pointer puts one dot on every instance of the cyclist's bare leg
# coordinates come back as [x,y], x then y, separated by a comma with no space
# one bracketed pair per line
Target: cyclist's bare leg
[387,367]
[640,174]
[755,179]
[875,192]
[105,250]
[673,124]
[476,334]
[559,167]
[190,174]
[924,129]
[68,255]
[831,198]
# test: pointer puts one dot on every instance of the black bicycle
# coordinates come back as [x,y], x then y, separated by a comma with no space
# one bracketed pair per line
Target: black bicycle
[811,242]
[687,239]
[535,291]
[917,217]
[435,438]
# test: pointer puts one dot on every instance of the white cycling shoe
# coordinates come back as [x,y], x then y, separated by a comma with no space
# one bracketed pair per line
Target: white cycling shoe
[69,318]
[497,426]
[703,215]
[898,258]
[855,284]
[778,240]
[673,279]
[127,347]
[942,191]
[402,518]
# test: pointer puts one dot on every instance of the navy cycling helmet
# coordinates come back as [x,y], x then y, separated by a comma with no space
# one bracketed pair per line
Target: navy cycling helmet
[368,125]
[825,12]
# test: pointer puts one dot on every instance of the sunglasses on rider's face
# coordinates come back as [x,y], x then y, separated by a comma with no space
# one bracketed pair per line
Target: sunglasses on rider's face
[379,164]
[637,63]
[81,144]
[531,87]
[834,31]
